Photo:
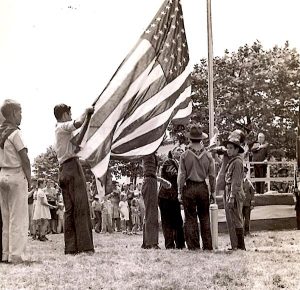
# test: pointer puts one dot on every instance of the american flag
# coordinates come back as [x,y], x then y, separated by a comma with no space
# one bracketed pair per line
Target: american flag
[150,88]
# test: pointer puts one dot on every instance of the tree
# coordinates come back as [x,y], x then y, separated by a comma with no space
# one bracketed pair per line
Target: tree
[46,165]
[132,169]
[255,90]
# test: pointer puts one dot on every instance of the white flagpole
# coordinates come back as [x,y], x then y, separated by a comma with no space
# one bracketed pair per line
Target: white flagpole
[210,71]
[213,207]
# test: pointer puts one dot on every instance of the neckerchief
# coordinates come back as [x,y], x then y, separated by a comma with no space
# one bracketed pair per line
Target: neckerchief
[5,130]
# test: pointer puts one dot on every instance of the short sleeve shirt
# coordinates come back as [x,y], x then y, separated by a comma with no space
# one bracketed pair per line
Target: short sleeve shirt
[9,156]
[63,146]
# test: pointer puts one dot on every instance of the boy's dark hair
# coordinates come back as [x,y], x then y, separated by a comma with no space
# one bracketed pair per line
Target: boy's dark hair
[40,181]
[60,109]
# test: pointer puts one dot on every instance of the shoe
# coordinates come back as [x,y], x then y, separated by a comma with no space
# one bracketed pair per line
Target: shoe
[151,247]
[71,252]
[15,260]
[42,239]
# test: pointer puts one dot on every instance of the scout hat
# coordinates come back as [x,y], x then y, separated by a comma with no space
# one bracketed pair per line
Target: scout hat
[235,139]
[196,133]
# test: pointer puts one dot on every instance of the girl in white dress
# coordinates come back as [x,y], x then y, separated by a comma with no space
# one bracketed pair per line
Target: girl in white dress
[41,211]
[124,213]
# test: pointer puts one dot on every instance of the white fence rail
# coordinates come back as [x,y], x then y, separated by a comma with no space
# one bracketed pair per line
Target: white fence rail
[268,179]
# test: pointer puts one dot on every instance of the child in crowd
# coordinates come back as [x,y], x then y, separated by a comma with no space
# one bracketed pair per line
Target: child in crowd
[106,213]
[96,209]
[41,211]
[248,203]
[135,215]
[60,217]
[124,213]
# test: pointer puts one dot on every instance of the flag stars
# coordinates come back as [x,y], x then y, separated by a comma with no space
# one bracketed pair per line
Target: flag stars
[166,60]
[161,32]
[155,37]
[153,25]
[147,31]
[173,26]
[158,19]
[179,49]
[176,8]
[172,56]
[168,7]
[163,13]
[172,16]
[170,72]
[167,44]
[183,45]
[182,30]
[173,41]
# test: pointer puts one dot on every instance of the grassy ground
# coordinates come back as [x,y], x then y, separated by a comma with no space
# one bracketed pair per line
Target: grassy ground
[271,261]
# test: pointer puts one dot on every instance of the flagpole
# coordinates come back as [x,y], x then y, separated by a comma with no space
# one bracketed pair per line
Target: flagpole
[210,71]
[213,209]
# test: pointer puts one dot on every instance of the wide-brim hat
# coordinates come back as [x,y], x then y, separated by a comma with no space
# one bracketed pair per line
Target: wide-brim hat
[196,133]
[235,141]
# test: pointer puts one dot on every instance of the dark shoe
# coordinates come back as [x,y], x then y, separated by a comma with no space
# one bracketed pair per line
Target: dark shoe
[149,247]
[71,252]
[42,239]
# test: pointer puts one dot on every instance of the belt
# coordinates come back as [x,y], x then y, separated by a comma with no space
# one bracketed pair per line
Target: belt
[150,175]
[192,181]
[69,160]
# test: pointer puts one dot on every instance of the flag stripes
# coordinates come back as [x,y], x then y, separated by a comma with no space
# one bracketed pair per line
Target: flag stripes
[150,88]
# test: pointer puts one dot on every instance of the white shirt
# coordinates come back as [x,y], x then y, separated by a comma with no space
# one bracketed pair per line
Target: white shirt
[9,156]
[63,146]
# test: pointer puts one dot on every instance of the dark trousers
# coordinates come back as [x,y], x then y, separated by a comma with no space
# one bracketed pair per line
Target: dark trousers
[98,221]
[172,224]
[195,199]
[116,224]
[0,235]
[246,217]
[260,171]
[150,228]
[78,227]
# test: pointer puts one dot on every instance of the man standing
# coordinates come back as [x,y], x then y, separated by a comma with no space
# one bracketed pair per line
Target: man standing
[248,203]
[260,153]
[171,219]
[196,164]
[78,227]
[15,178]
[234,175]
[149,193]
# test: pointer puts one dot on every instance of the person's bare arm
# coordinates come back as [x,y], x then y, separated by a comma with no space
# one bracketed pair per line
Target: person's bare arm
[78,122]
[26,165]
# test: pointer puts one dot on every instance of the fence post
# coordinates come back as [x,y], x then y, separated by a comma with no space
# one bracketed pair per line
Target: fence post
[268,177]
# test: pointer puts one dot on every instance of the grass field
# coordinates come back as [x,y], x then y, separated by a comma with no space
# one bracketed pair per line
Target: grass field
[272,261]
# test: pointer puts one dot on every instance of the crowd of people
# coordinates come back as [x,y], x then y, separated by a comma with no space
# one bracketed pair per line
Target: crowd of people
[189,179]
[122,210]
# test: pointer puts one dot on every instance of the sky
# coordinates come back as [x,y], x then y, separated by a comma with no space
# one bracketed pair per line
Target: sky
[65,51]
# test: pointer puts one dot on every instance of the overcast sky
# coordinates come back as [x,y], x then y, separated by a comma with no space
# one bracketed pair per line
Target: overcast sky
[54,51]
